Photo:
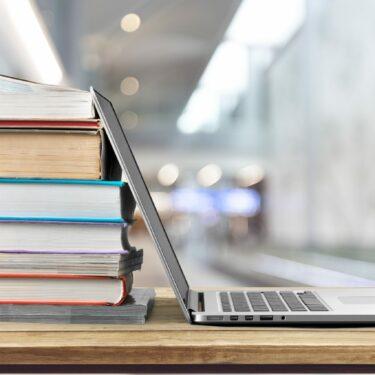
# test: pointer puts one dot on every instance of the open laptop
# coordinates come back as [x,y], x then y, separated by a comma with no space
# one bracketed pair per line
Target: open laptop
[286,306]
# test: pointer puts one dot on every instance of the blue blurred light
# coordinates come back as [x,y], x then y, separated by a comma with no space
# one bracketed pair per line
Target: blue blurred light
[192,200]
[242,202]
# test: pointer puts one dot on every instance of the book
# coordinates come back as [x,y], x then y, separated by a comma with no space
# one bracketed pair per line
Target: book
[63,236]
[20,99]
[64,289]
[51,154]
[135,309]
[50,124]
[80,200]
[115,264]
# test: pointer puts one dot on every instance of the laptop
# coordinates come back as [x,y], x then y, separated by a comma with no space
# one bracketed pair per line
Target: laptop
[287,306]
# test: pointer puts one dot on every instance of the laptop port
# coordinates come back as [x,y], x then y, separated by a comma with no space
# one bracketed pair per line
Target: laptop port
[266,317]
[214,317]
[233,317]
[249,317]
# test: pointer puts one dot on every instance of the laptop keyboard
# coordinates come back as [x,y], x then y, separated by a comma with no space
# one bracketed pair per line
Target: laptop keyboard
[270,301]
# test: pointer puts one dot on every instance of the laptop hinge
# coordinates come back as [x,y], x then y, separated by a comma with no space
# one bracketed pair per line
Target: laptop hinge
[196,301]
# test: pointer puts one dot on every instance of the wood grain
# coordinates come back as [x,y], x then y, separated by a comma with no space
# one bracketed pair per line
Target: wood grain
[167,339]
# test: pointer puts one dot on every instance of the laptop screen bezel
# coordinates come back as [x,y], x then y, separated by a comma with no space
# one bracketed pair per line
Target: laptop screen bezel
[128,163]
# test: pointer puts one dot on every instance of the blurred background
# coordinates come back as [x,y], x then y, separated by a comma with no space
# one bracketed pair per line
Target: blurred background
[252,121]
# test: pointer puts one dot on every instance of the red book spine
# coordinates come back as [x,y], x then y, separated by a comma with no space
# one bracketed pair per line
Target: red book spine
[48,124]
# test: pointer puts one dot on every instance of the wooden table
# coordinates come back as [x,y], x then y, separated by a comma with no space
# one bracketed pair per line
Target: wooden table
[167,343]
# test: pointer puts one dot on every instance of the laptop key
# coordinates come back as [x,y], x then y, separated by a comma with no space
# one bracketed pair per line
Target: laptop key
[317,308]
[260,309]
[292,301]
[275,301]
[225,304]
[257,302]
[311,301]
[239,301]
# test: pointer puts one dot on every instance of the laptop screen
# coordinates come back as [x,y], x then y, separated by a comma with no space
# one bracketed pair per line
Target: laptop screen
[142,196]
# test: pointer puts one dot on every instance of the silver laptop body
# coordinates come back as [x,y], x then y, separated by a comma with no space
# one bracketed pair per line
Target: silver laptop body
[262,307]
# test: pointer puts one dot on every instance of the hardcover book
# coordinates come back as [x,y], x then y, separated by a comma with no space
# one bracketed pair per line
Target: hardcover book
[66,200]
[63,289]
[93,124]
[63,236]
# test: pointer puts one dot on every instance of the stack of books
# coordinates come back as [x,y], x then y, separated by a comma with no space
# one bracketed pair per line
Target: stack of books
[64,211]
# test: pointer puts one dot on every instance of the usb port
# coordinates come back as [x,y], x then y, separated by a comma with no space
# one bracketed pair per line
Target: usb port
[214,317]
[233,317]
[249,317]
[266,317]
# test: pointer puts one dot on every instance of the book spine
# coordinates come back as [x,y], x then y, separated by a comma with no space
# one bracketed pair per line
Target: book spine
[127,285]
[128,203]
[110,167]
[45,124]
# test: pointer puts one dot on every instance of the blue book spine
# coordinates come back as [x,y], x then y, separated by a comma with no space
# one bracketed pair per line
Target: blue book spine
[60,182]
[86,220]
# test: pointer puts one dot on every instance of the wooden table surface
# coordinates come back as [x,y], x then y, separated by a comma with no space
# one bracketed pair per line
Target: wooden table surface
[167,339]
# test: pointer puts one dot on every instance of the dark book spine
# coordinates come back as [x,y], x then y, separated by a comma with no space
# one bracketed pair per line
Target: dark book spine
[125,239]
[110,167]
[127,204]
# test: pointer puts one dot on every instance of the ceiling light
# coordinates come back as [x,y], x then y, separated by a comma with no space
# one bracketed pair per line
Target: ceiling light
[130,22]
[35,41]
[223,82]
[201,113]
[267,22]
[129,119]
[129,86]
[227,72]
[168,174]
[209,175]
[250,175]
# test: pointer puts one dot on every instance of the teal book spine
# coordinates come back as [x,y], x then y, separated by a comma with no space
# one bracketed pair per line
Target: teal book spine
[60,182]
[85,220]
